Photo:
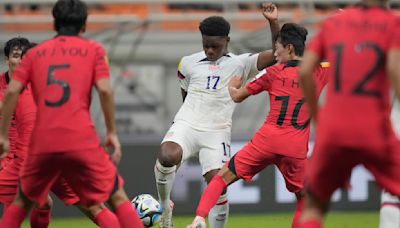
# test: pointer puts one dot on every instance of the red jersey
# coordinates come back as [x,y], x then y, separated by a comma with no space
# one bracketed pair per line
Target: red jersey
[25,115]
[355,43]
[286,129]
[62,72]
[12,130]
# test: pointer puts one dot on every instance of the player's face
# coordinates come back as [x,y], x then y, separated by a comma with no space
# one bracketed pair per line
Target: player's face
[282,54]
[215,46]
[14,58]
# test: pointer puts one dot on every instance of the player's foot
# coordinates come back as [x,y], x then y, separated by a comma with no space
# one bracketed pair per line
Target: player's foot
[166,217]
[198,222]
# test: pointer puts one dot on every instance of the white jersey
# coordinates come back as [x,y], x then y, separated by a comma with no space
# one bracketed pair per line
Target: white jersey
[208,105]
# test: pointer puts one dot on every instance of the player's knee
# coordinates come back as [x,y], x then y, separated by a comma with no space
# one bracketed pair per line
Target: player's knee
[170,154]
[48,204]
[117,198]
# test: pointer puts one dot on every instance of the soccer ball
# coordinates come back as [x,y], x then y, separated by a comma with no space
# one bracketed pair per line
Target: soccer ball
[148,209]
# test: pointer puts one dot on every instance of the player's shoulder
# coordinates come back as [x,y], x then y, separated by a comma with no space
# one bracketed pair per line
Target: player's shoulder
[193,58]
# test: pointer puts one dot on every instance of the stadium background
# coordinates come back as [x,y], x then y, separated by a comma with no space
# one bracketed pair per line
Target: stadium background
[145,40]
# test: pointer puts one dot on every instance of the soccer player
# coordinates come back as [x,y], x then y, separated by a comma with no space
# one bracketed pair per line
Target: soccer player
[64,144]
[283,138]
[362,45]
[19,135]
[202,126]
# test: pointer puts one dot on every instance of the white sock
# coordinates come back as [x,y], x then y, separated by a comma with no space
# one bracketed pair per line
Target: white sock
[218,216]
[390,211]
[165,177]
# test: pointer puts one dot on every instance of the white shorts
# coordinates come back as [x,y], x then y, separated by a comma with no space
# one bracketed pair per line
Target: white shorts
[211,147]
[386,197]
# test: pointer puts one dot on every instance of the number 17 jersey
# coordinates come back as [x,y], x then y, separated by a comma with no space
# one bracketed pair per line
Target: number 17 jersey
[62,72]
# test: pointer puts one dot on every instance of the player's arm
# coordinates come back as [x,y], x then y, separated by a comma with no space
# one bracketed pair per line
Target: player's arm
[306,70]
[238,94]
[104,89]
[25,115]
[393,69]
[267,58]
[10,101]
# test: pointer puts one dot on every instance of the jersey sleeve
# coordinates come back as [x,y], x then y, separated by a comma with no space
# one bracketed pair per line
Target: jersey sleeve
[394,42]
[183,74]
[316,45]
[262,83]
[23,71]
[250,65]
[25,115]
[101,67]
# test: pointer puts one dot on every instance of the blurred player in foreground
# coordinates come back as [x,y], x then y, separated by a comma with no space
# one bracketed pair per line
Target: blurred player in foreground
[283,138]
[362,44]
[202,126]
[64,144]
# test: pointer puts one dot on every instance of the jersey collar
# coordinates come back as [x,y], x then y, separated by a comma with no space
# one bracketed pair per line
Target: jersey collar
[292,63]
[206,59]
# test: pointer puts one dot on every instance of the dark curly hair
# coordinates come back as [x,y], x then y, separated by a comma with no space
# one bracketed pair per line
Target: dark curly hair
[214,26]
[19,42]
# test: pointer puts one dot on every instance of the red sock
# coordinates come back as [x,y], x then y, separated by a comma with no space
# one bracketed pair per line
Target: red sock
[127,216]
[13,217]
[40,218]
[106,219]
[311,224]
[210,196]
[297,213]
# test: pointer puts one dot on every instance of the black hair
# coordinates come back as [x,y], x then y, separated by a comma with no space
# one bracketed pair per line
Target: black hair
[70,15]
[24,50]
[214,26]
[19,42]
[294,34]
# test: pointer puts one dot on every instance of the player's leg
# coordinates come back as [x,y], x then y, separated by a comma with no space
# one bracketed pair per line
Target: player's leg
[385,167]
[390,211]
[16,212]
[177,146]
[325,175]
[36,177]
[293,171]
[40,215]
[121,204]
[94,179]
[214,153]
[66,194]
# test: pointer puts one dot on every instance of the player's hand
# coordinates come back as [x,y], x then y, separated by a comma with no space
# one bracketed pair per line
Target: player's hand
[113,142]
[270,11]
[4,147]
[236,82]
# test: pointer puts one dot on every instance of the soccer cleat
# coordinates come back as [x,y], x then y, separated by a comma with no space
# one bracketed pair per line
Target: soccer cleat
[198,222]
[166,217]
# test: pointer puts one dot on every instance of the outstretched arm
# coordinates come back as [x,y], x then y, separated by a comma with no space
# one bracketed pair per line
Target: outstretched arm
[238,94]
[267,58]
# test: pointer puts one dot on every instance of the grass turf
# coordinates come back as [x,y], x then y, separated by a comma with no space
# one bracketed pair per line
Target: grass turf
[334,220]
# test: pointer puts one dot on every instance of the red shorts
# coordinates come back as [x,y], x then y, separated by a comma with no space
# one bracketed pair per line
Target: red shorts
[90,173]
[331,165]
[249,161]
[9,178]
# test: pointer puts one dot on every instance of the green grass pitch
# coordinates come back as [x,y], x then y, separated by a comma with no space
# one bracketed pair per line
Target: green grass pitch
[334,220]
